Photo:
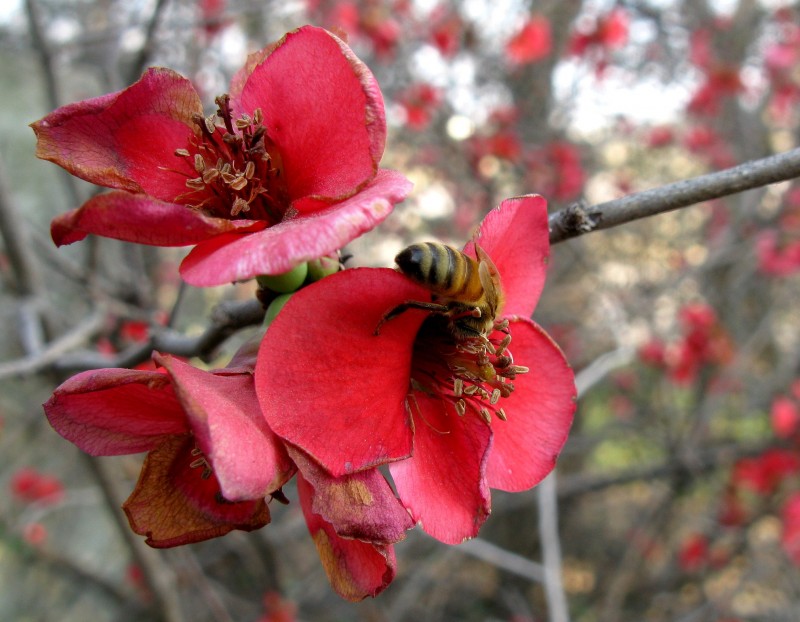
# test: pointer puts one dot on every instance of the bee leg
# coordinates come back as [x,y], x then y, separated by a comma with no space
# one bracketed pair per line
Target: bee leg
[405,306]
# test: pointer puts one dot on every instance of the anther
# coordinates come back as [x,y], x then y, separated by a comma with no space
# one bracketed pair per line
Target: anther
[501,414]
[258,116]
[503,361]
[199,163]
[239,182]
[461,407]
[210,174]
[196,183]
[458,387]
[239,206]
[250,169]
[503,344]
[495,396]
[486,415]
[210,123]
[471,390]
[182,153]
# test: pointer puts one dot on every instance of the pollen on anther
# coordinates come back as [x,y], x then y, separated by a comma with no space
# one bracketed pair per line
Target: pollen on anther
[458,387]
[495,396]
[182,153]
[486,415]
[461,407]
[239,206]
[199,163]
[501,414]
[239,182]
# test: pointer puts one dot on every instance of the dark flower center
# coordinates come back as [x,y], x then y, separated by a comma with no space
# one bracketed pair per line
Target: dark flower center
[239,170]
[474,373]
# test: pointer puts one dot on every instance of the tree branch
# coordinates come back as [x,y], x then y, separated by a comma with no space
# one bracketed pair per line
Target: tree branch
[226,319]
[579,219]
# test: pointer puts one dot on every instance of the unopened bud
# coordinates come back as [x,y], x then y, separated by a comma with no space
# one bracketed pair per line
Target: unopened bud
[275,307]
[323,266]
[287,282]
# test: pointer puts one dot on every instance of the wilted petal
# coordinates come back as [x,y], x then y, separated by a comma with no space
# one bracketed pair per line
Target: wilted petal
[540,412]
[141,219]
[516,236]
[360,506]
[234,257]
[108,412]
[328,384]
[355,569]
[247,458]
[443,484]
[323,110]
[114,140]
[174,503]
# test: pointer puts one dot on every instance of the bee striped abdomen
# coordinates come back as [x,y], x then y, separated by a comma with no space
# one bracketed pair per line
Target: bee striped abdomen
[444,270]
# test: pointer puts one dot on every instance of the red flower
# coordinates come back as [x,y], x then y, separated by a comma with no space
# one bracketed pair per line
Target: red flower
[32,486]
[765,473]
[694,553]
[420,102]
[212,458]
[790,536]
[286,171]
[415,396]
[533,42]
[785,417]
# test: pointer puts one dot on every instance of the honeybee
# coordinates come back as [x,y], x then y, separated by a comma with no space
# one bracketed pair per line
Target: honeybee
[466,290]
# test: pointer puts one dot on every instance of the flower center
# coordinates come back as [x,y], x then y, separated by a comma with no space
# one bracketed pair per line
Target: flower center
[239,169]
[474,373]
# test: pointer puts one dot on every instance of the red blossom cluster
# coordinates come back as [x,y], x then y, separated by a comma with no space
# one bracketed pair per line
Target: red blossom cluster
[359,369]
[32,486]
[778,248]
[771,478]
[420,102]
[596,39]
[703,345]
[555,167]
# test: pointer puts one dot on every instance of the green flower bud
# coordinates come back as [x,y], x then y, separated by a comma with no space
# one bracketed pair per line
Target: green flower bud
[286,282]
[274,308]
[323,266]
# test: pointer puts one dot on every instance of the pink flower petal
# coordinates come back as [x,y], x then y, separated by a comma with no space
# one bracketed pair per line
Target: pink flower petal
[141,219]
[517,238]
[540,411]
[87,138]
[109,412]
[328,384]
[248,459]
[355,569]
[174,504]
[360,506]
[443,484]
[278,249]
[323,110]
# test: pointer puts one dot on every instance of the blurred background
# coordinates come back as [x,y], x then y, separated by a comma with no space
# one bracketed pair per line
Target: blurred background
[679,489]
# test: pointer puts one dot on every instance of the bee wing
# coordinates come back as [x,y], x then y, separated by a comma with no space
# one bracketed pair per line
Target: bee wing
[490,279]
